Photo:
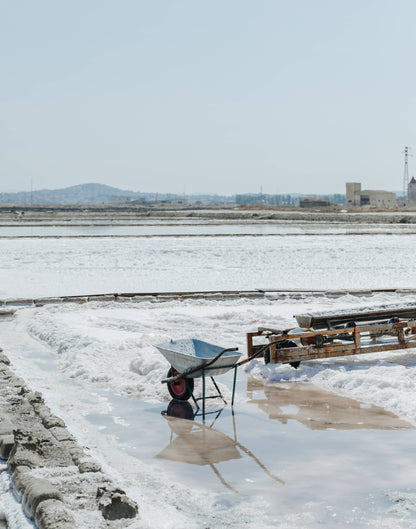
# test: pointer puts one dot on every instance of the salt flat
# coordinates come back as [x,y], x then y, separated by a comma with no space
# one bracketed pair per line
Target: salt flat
[73,266]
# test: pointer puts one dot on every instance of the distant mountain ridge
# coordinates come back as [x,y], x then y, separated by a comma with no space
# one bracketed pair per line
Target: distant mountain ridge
[99,194]
[79,194]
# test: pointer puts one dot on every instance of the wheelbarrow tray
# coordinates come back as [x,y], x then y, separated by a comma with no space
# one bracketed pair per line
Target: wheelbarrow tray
[189,353]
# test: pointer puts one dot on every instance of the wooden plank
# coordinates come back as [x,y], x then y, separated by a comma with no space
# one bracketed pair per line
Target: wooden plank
[309,352]
[325,321]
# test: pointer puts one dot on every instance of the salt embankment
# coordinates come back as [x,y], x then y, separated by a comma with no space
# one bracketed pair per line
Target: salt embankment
[38,447]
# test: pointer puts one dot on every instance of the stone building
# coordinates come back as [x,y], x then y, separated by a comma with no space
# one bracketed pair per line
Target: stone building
[312,202]
[411,190]
[355,196]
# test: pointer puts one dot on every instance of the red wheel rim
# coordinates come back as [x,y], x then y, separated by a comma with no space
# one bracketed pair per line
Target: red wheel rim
[179,386]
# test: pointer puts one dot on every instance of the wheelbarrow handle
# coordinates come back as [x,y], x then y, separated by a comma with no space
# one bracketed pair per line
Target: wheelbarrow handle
[191,370]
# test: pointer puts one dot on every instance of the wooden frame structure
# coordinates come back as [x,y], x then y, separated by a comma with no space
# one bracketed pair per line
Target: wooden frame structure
[332,335]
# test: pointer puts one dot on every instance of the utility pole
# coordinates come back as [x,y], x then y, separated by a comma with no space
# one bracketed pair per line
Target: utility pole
[406,172]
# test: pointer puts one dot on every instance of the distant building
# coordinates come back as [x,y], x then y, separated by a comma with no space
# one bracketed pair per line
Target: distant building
[411,190]
[312,202]
[355,196]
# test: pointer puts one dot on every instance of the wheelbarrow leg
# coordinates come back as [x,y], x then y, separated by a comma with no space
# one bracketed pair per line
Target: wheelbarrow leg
[234,381]
[203,394]
[218,390]
[193,396]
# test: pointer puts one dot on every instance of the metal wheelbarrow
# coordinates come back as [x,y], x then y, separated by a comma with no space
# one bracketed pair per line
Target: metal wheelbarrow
[190,359]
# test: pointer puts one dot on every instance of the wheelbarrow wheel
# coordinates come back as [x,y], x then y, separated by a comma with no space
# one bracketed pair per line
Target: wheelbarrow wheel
[180,389]
[283,344]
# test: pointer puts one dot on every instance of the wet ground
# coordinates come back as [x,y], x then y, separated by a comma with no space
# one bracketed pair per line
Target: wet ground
[290,447]
[287,450]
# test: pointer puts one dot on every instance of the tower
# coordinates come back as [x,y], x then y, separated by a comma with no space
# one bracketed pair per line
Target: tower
[406,174]
[411,190]
[353,190]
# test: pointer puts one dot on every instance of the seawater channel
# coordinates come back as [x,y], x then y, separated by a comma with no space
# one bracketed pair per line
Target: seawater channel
[290,448]
[195,227]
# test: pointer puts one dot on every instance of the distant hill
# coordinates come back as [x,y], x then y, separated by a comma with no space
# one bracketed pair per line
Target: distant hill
[80,194]
[102,194]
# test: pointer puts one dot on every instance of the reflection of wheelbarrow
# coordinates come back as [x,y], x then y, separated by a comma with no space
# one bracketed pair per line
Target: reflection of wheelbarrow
[198,444]
[191,359]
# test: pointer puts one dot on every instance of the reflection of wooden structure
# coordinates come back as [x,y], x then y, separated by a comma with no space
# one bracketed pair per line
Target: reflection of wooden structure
[331,335]
[318,410]
[198,444]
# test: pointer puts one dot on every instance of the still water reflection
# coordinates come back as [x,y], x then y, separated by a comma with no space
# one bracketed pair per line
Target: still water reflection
[195,441]
[198,443]
[318,410]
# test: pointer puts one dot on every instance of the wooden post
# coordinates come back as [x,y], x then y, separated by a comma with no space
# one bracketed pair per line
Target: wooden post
[249,344]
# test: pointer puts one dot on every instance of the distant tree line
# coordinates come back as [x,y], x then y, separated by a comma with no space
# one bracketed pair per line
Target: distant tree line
[337,198]
[284,200]
[269,200]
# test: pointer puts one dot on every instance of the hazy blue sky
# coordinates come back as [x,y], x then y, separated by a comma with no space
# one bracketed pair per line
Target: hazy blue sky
[216,96]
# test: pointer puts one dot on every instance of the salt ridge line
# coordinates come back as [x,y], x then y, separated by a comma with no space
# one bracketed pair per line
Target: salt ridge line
[208,235]
[212,294]
[11,305]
